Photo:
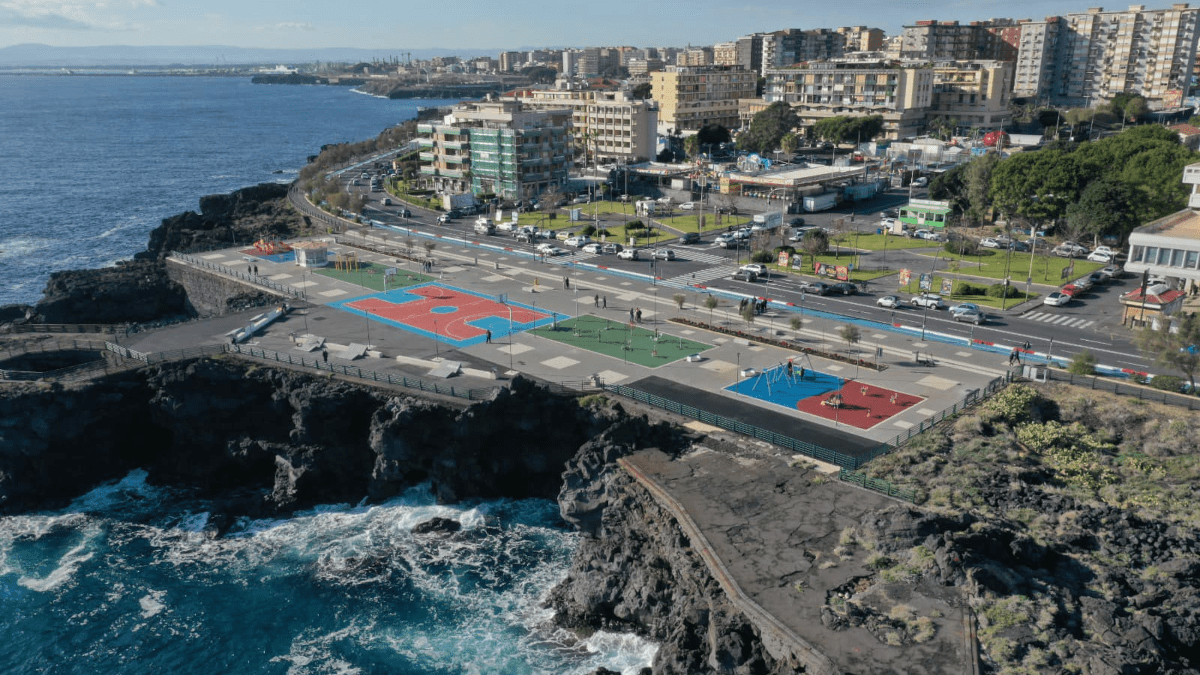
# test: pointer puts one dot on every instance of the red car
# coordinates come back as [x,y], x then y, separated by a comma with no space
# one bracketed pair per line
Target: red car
[1071,290]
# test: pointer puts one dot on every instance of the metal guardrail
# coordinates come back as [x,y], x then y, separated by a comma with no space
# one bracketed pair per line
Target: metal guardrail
[250,278]
[68,328]
[877,485]
[803,447]
[470,394]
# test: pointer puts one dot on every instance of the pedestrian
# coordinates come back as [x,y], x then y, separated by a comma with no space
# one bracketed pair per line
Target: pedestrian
[567,283]
[604,302]
[639,315]
[1012,356]
[801,372]
[489,337]
[630,315]
[256,270]
[1027,346]
[789,369]
[325,355]
[596,300]
[249,269]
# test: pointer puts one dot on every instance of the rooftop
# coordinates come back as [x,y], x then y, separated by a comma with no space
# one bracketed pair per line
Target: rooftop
[1182,224]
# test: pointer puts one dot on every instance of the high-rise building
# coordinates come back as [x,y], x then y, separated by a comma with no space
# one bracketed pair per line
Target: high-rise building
[1089,57]
[821,89]
[994,39]
[691,97]
[862,39]
[511,61]
[695,56]
[610,125]
[787,47]
[497,147]
[971,95]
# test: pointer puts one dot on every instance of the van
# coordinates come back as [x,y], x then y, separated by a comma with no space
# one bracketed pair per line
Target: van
[484,227]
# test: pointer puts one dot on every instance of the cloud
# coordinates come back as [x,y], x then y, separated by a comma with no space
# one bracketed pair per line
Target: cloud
[69,14]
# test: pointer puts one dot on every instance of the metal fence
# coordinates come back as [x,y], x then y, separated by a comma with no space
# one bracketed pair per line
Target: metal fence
[808,449]
[877,485]
[470,394]
[237,274]
[1121,388]
[162,357]
[68,328]
[973,398]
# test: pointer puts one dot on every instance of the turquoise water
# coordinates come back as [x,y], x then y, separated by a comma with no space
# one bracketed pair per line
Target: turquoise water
[129,580]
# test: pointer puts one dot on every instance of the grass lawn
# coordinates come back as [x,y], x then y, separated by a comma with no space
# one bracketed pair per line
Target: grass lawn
[1046,269]
[914,288]
[616,339]
[370,275]
[602,207]
[401,192]
[876,242]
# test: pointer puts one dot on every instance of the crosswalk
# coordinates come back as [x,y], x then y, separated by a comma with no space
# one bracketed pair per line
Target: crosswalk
[701,256]
[704,275]
[1064,320]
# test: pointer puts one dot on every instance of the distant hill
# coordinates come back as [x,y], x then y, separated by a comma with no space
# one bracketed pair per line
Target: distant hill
[36,55]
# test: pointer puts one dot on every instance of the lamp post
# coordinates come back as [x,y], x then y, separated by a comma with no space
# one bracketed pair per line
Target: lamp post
[510,338]
[435,338]
[737,375]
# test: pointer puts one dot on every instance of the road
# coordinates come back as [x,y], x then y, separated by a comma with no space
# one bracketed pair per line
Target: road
[1091,323]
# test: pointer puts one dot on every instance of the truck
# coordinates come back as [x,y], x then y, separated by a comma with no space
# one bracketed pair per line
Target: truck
[860,191]
[646,207]
[768,221]
[821,202]
[484,226]
[458,202]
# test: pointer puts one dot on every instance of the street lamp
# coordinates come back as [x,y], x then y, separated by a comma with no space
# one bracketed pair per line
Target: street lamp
[510,338]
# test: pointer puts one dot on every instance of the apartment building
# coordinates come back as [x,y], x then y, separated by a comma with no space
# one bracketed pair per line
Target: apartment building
[784,48]
[640,66]
[691,97]
[862,39]
[695,56]
[972,94]
[1097,55]
[929,40]
[821,89]
[737,53]
[612,125]
[1039,51]
[496,147]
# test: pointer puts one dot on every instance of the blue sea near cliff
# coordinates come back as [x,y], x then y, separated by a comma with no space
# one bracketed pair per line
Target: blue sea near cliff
[91,164]
[129,579]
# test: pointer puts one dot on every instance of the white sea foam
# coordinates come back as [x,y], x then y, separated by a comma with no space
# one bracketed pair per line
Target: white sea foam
[19,247]
[132,487]
[151,603]
[68,565]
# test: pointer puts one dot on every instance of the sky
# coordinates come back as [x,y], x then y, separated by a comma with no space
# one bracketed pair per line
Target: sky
[472,25]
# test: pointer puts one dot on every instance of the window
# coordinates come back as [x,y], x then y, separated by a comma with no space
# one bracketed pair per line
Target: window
[1151,254]
[1164,254]
[1192,258]
[1177,258]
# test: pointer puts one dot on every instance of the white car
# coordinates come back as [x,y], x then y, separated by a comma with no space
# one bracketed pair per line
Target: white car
[1098,256]
[1056,299]
[628,254]
[540,248]
[889,301]
[988,242]
[887,223]
[578,241]
[1106,251]
[760,270]
[928,301]
[594,247]
[687,206]
[506,226]
[550,251]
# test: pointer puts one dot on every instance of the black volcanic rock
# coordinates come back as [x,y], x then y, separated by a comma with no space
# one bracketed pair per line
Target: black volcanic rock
[132,291]
[437,525]
[243,216]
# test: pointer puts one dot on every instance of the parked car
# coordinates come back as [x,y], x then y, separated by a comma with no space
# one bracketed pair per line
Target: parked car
[973,315]
[887,223]
[1022,246]
[922,234]
[965,307]
[920,182]
[1056,299]
[889,301]
[1083,283]
[988,242]
[1069,249]
[1106,251]
[817,287]
[760,270]
[1112,271]
[1098,278]
[928,301]
[664,254]
[628,254]
[843,287]
[799,232]
[688,206]
[1097,256]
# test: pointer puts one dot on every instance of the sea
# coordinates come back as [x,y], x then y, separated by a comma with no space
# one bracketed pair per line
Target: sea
[130,577]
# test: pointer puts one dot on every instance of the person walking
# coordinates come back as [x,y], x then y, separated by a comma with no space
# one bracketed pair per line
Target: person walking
[489,337]
[1013,358]
[256,270]
[639,315]
[324,355]
[567,283]
[604,302]
[596,300]
[630,315]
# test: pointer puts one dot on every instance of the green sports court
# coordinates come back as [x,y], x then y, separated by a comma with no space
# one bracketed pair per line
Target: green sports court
[620,340]
[374,276]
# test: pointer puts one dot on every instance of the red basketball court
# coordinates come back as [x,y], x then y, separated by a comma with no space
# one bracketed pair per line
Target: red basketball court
[449,313]
[861,405]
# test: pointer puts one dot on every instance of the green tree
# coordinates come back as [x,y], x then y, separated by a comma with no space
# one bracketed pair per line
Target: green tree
[679,299]
[643,91]
[789,143]
[848,128]
[1136,108]
[1083,363]
[950,186]
[1179,349]
[540,74]
[768,127]
[815,242]
[1104,207]
[691,145]
[851,335]
[711,303]
[748,313]
[713,134]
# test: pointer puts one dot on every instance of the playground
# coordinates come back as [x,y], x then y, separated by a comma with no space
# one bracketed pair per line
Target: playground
[620,340]
[373,276]
[451,315]
[796,384]
[271,251]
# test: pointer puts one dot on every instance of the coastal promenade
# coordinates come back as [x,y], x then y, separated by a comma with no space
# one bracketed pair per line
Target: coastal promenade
[768,523]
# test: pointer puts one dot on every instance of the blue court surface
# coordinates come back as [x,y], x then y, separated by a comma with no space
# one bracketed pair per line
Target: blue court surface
[775,386]
[290,256]
[454,316]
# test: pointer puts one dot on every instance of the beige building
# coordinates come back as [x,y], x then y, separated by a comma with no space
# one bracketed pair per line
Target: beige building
[901,94]
[1090,57]
[994,39]
[496,147]
[689,98]
[862,39]
[972,94]
[695,56]
[616,126]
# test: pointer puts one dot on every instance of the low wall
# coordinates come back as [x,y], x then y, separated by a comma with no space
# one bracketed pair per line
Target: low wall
[210,294]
